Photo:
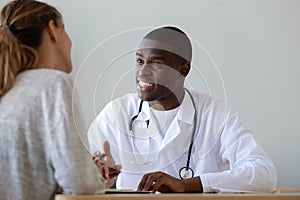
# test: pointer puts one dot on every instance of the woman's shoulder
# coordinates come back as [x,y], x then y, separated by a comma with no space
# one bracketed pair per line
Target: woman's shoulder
[44,75]
[38,91]
[44,79]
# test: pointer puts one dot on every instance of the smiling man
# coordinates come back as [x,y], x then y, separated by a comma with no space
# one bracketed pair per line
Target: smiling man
[172,139]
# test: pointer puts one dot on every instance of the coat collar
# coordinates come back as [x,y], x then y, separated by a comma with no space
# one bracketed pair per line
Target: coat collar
[185,113]
[178,128]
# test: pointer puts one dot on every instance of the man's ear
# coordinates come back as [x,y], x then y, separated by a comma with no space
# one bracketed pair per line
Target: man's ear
[185,69]
[51,30]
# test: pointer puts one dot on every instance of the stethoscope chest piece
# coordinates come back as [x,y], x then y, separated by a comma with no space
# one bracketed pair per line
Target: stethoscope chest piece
[186,173]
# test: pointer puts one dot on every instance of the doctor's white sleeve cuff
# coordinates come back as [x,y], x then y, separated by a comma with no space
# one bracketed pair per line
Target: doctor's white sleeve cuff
[206,185]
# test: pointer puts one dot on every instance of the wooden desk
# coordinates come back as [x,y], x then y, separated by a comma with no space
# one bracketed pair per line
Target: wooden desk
[285,194]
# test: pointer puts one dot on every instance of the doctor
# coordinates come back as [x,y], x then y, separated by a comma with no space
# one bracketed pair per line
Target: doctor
[172,139]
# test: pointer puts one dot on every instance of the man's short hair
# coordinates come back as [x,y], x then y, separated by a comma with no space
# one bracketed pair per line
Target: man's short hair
[174,37]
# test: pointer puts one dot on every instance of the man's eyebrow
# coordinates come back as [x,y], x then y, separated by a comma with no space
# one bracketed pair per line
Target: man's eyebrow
[153,56]
[157,57]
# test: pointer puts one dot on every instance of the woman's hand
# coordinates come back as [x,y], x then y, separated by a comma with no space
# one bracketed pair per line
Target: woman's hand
[106,165]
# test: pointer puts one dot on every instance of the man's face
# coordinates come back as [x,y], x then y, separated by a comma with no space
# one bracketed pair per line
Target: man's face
[157,74]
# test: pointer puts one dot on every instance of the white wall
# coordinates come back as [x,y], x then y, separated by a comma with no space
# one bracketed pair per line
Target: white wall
[254,46]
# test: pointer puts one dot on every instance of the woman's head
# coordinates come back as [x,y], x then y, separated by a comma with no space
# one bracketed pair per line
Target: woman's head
[26,19]
[22,27]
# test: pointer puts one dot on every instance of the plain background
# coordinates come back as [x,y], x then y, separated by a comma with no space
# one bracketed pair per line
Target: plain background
[245,51]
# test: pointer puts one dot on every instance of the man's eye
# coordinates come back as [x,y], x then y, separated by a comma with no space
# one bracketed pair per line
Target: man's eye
[139,61]
[156,65]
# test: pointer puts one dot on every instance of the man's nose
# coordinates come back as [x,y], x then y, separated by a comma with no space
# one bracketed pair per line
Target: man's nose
[145,69]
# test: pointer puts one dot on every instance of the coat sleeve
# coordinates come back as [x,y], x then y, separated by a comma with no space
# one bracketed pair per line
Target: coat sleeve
[250,169]
[105,127]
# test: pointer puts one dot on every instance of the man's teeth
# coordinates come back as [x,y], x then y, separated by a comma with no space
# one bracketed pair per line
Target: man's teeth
[144,84]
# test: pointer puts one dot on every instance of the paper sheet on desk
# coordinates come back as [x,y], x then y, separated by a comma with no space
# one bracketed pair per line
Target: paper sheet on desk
[120,191]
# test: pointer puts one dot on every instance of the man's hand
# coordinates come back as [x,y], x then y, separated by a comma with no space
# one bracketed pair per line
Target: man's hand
[106,165]
[164,183]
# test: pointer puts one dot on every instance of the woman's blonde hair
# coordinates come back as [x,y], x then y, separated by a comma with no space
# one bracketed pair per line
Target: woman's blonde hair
[21,29]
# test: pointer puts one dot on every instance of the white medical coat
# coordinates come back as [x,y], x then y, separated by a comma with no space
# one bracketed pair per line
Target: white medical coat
[224,153]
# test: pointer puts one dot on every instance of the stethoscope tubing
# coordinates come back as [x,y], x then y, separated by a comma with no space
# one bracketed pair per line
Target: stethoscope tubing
[194,130]
[193,133]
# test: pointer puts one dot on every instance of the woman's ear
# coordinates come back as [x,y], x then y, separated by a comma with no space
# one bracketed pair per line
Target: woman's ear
[51,30]
[185,69]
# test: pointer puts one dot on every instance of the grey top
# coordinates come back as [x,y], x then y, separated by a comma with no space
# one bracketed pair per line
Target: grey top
[40,149]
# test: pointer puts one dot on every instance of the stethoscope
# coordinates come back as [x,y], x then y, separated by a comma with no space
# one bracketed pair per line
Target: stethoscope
[185,172]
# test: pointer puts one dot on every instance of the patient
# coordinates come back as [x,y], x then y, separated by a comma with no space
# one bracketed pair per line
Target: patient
[40,149]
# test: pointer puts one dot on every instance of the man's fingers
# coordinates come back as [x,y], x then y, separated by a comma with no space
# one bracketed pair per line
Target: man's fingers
[148,180]
[158,183]
[148,184]
[142,182]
